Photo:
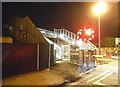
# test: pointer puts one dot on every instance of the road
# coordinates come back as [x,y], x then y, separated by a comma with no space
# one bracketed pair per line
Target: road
[106,74]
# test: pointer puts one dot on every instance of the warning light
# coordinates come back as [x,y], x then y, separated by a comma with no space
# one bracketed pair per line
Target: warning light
[86,34]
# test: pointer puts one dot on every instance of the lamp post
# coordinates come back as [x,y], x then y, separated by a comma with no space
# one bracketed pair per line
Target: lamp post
[98,9]
[99,41]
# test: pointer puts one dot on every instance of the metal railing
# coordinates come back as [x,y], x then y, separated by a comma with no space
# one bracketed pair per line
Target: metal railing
[67,36]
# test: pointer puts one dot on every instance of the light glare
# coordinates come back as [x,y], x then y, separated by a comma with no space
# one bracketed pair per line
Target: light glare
[100,7]
[88,32]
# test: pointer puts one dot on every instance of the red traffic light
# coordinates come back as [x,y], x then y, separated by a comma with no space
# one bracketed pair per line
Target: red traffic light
[86,34]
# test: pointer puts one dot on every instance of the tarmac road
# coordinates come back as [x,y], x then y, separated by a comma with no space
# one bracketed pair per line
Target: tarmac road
[106,74]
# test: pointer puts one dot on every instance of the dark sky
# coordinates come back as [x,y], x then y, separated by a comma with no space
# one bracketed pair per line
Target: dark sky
[68,15]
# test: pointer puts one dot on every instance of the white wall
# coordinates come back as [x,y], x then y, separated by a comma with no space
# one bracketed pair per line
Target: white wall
[58,51]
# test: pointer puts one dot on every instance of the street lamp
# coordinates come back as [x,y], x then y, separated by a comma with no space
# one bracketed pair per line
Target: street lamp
[98,9]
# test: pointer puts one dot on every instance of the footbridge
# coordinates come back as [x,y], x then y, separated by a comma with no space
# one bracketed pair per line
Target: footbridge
[68,37]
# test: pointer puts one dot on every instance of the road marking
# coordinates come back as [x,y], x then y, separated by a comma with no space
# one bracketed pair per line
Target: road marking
[99,84]
[74,83]
[90,70]
[99,75]
[105,76]
[97,68]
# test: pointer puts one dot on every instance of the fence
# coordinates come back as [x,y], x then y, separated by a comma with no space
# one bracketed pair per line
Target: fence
[23,58]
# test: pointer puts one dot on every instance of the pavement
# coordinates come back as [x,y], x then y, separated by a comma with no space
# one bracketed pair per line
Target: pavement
[57,75]
[69,71]
[62,72]
[45,77]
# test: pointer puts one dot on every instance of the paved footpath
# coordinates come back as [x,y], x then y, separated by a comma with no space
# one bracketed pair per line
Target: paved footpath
[55,76]
[45,77]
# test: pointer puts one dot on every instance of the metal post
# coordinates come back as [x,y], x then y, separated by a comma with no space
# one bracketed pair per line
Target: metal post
[99,43]
[1,46]
[49,55]
[84,55]
[38,57]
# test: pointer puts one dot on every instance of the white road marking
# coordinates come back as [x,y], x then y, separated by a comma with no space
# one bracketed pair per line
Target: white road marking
[97,68]
[100,75]
[74,83]
[90,70]
[99,84]
[105,76]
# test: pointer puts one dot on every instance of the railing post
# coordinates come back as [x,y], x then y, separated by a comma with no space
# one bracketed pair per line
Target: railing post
[60,31]
[66,33]
[74,36]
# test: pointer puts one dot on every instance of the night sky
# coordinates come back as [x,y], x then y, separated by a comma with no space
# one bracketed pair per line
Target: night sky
[68,15]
